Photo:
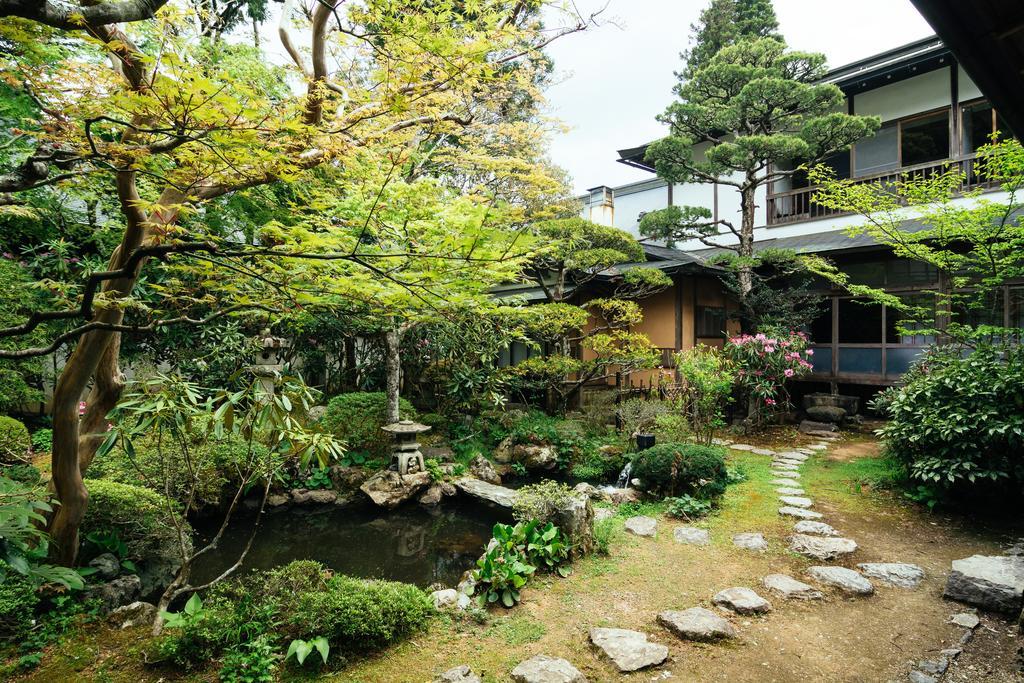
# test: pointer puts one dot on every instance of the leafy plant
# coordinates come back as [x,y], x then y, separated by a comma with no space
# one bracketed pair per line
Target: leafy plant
[251,662]
[192,612]
[434,469]
[519,469]
[503,569]
[357,418]
[42,440]
[605,531]
[706,378]
[764,362]
[639,416]
[23,543]
[545,547]
[302,649]
[15,442]
[677,468]
[318,478]
[687,507]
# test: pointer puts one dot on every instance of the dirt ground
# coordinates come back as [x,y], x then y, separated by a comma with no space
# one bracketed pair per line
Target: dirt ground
[874,639]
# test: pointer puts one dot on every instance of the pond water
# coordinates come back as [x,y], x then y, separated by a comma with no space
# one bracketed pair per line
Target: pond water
[411,544]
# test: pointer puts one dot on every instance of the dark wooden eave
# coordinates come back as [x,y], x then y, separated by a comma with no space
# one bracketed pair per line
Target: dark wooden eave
[987,37]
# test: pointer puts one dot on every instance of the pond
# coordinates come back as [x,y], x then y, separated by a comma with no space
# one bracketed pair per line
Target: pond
[410,544]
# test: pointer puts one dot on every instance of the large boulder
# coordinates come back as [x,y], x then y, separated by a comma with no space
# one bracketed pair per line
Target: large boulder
[629,650]
[347,478]
[829,414]
[893,573]
[575,518]
[503,453]
[481,468]
[106,565]
[499,495]
[821,547]
[133,615]
[535,457]
[990,582]
[389,489]
[121,591]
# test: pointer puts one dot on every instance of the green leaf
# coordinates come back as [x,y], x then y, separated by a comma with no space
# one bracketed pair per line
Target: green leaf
[194,605]
[323,647]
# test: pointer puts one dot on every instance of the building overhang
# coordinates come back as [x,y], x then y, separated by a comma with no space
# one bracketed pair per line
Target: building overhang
[987,37]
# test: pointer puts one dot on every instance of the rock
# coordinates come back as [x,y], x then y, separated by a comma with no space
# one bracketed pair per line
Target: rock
[121,591]
[742,601]
[481,468]
[601,514]
[588,490]
[642,526]
[842,578]
[444,599]
[629,650]
[849,404]
[918,677]
[789,511]
[438,453]
[990,582]
[575,519]
[821,547]
[315,413]
[275,500]
[787,461]
[347,478]
[750,541]
[389,489]
[432,496]
[132,615]
[829,414]
[785,482]
[790,588]
[742,447]
[107,565]
[793,455]
[797,501]
[503,453]
[818,446]
[951,652]
[619,496]
[321,497]
[806,526]
[460,674]
[817,428]
[544,669]
[762,451]
[935,667]
[499,495]
[535,457]
[965,619]
[786,468]
[448,489]
[697,624]
[610,451]
[789,491]
[691,535]
[893,573]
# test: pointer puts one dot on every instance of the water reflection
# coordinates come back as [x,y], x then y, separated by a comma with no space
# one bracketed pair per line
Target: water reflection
[410,544]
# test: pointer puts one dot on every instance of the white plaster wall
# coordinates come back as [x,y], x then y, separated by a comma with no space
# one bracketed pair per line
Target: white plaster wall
[630,203]
[966,88]
[905,98]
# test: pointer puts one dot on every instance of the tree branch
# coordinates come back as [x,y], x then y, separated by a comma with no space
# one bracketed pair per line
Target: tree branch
[66,15]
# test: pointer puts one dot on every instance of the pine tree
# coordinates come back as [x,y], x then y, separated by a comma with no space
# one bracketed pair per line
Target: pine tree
[724,22]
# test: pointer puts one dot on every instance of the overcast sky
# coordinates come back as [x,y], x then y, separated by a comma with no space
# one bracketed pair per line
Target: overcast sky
[614,79]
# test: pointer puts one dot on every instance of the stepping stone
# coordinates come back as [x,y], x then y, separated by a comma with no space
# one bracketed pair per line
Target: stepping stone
[786,468]
[721,442]
[919,677]
[842,578]
[785,482]
[629,650]
[806,451]
[797,501]
[544,669]
[762,451]
[790,588]
[741,447]
[789,491]
[698,624]
[603,513]
[742,601]
[784,461]
[990,582]
[460,674]
[750,541]
[821,547]
[789,511]
[818,446]
[642,526]
[691,535]
[793,455]
[965,619]
[893,573]
[806,526]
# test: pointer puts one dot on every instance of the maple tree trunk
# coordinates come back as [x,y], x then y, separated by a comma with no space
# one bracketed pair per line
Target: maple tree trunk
[393,371]
[744,273]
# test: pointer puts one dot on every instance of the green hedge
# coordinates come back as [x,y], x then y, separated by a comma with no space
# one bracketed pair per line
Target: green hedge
[682,468]
[358,417]
[137,515]
[15,442]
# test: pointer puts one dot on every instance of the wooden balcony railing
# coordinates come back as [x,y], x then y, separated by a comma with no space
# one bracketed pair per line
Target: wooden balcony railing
[798,205]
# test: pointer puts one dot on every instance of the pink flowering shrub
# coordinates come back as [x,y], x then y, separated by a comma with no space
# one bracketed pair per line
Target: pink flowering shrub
[763,362]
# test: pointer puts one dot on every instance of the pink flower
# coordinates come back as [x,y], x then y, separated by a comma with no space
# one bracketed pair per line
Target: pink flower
[809,352]
[789,372]
[769,349]
[769,401]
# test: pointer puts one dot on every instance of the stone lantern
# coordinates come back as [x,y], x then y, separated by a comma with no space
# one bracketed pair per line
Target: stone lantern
[269,362]
[406,456]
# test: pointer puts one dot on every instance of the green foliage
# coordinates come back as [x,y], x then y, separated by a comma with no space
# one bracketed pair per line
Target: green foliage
[251,662]
[605,533]
[61,614]
[302,649]
[138,516]
[18,601]
[18,379]
[671,427]
[357,418]
[24,474]
[722,23]
[639,416]
[434,469]
[707,380]
[785,292]
[541,501]
[42,440]
[763,364]
[681,468]
[15,442]
[957,423]
[687,507]
[23,543]
[513,555]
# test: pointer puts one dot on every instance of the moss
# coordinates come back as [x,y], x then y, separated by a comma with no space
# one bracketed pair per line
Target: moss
[138,516]
[15,441]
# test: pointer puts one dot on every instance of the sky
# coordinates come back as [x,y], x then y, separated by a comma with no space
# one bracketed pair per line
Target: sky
[614,79]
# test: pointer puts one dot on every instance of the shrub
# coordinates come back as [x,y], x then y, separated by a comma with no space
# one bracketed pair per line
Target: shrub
[25,474]
[541,501]
[707,381]
[252,662]
[356,615]
[138,516]
[763,363]
[957,423]
[15,442]
[687,507]
[42,440]
[358,417]
[677,468]
[18,602]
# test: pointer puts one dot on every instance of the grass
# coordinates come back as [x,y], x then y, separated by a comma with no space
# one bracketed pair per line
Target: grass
[518,629]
